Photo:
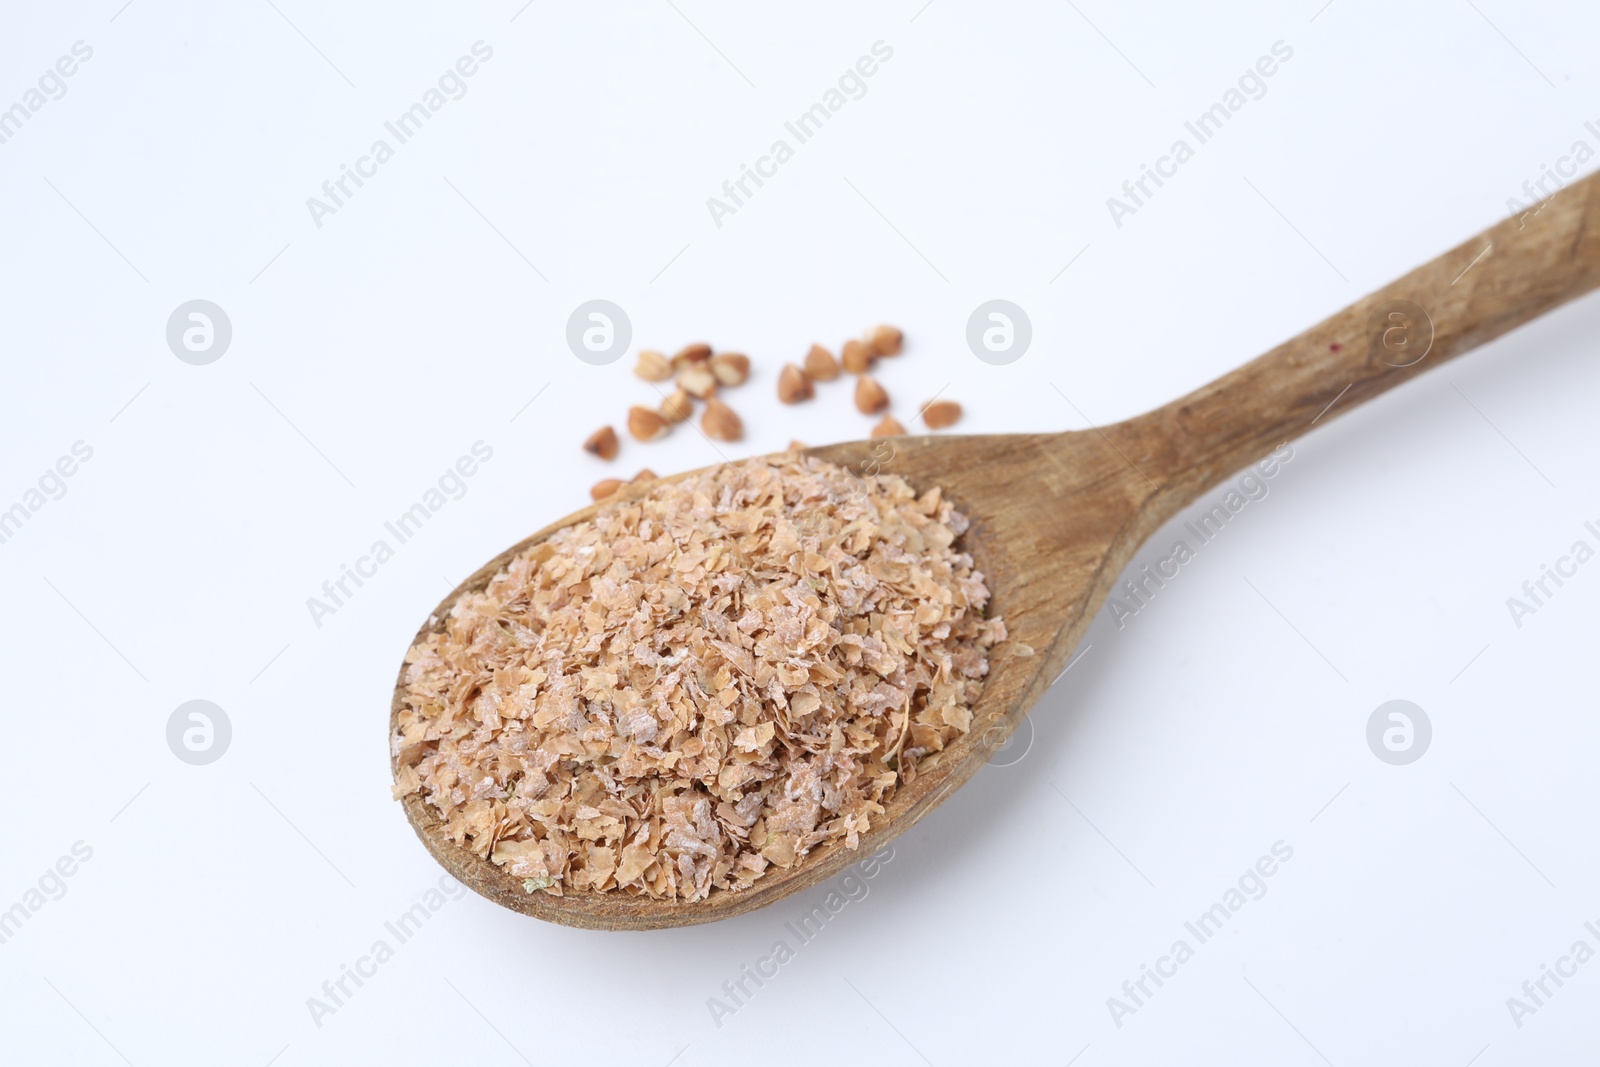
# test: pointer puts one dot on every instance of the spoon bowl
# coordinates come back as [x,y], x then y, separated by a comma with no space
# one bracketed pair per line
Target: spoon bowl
[986,478]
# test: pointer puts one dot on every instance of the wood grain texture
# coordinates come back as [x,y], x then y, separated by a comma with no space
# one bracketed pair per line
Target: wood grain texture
[1056,517]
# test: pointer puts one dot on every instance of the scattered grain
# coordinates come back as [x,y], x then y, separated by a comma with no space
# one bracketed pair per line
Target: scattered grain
[695,353]
[731,368]
[793,385]
[720,422]
[603,443]
[886,341]
[698,381]
[889,427]
[652,366]
[820,366]
[856,356]
[870,397]
[677,407]
[647,425]
[604,488]
[940,414]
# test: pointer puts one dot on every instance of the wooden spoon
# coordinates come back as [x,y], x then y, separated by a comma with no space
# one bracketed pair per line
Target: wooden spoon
[1055,517]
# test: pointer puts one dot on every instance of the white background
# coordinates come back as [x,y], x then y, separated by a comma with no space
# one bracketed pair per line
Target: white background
[371,352]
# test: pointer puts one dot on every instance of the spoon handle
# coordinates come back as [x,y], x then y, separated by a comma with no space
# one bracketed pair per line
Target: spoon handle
[1492,283]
